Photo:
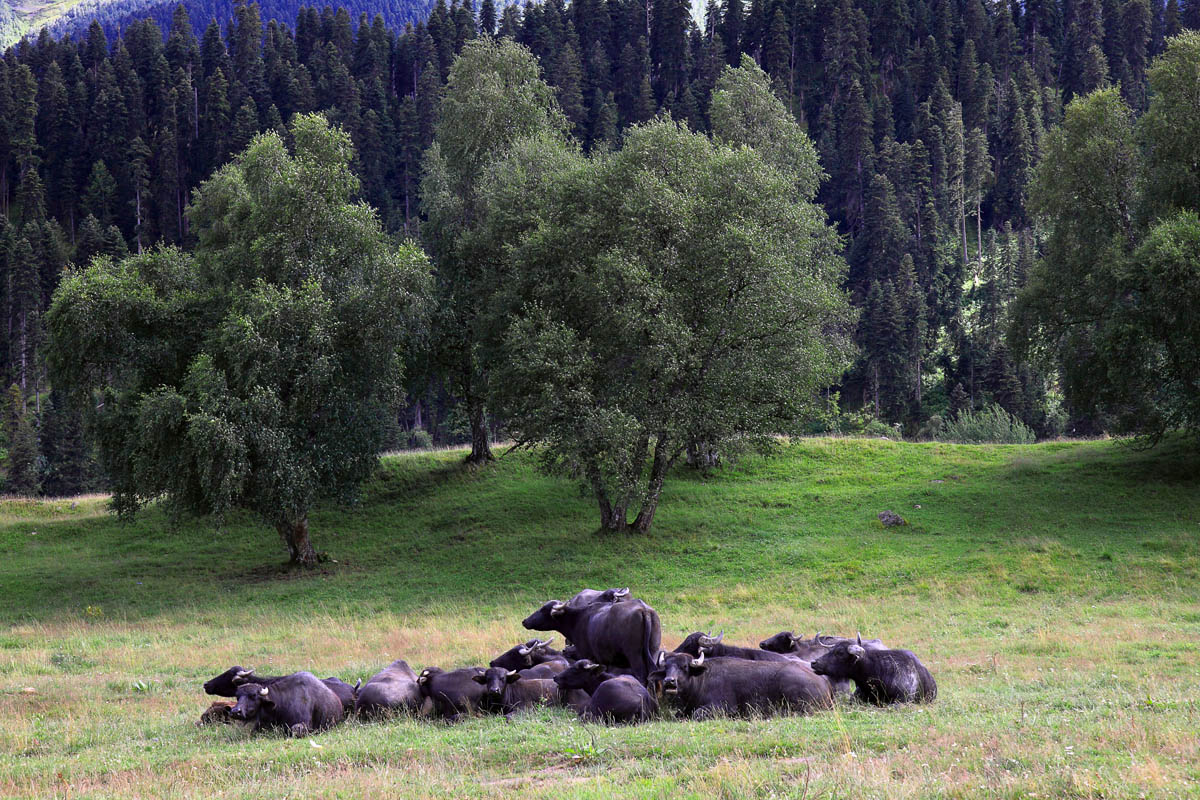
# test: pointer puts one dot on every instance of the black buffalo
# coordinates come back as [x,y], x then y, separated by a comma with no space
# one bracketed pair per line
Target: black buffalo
[226,684]
[702,687]
[587,597]
[506,691]
[298,703]
[712,647]
[393,689]
[624,634]
[547,669]
[880,676]
[788,643]
[612,698]
[529,654]
[453,693]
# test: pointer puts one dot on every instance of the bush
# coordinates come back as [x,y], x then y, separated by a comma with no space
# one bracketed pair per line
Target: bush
[419,439]
[991,425]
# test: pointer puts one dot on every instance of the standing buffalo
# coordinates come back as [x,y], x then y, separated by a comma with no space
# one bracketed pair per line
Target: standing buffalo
[505,691]
[453,693]
[625,634]
[226,685]
[391,690]
[703,687]
[298,703]
[712,647]
[613,698]
[880,676]
[530,654]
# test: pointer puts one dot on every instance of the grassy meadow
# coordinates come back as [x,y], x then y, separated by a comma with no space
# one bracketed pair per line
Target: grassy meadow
[1053,590]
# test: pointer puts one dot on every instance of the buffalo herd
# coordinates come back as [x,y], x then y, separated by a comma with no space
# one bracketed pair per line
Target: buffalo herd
[612,670]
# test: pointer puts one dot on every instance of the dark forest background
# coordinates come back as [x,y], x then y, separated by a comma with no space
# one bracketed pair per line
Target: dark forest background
[928,115]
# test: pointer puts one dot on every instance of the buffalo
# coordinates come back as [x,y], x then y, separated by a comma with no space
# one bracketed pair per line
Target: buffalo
[227,683]
[298,703]
[712,647]
[788,643]
[626,633]
[880,676]
[587,597]
[612,698]
[391,690]
[703,687]
[215,714]
[527,655]
[453,693]
[506,691]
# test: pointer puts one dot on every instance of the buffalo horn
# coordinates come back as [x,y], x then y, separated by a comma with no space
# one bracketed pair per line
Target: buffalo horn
[699,660]
[523,650]
[263,691]
[558,608]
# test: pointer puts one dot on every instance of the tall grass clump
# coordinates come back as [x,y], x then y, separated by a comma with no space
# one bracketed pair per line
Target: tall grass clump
[990,425]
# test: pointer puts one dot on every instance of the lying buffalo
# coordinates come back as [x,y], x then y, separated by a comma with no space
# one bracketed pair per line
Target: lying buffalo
[702,687]
[788,643]
[612,698]
[529,654]
[215,714]
[226,685]
[506,692]
[627,633]
[547,669]
[453,693]
[298,703]
[880,676]
[587,597]
[712,647]
[393,689]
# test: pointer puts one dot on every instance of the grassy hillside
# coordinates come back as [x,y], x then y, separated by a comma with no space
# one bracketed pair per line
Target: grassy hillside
[1052,589]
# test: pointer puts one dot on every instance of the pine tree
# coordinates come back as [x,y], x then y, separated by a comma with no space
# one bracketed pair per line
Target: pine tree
[21,470]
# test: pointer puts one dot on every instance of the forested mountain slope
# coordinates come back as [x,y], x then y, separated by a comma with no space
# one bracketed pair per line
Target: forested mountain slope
[928,116]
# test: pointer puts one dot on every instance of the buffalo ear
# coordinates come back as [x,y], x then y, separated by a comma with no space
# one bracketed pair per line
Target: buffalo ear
[512,677]
[696,667]
[479,678]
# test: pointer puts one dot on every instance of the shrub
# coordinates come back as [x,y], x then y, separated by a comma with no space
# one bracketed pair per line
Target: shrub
[991,425]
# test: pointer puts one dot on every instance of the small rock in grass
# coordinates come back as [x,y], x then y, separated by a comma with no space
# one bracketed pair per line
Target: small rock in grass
[891,519]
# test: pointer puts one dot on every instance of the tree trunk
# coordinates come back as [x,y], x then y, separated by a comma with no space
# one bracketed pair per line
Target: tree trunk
[481,448]
[658,473]
[612,518]
[295,536]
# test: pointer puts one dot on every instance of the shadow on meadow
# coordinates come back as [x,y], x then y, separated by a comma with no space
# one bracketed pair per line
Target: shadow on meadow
[1060,517]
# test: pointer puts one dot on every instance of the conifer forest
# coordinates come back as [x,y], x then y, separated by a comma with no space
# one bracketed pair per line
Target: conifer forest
[958,147]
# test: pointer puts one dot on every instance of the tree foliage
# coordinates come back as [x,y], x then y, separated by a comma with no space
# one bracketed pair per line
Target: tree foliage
[678,290]
[258,371]
[1112,302]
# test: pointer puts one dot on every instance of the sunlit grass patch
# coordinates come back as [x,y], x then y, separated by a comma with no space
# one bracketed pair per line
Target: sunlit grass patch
[1054,602]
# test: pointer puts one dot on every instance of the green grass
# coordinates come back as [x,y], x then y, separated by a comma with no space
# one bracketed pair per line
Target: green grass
[1052,589]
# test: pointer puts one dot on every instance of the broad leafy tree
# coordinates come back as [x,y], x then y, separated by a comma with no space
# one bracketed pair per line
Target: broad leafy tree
[258,371]
[495,95]
[677,290]
[1113,301]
